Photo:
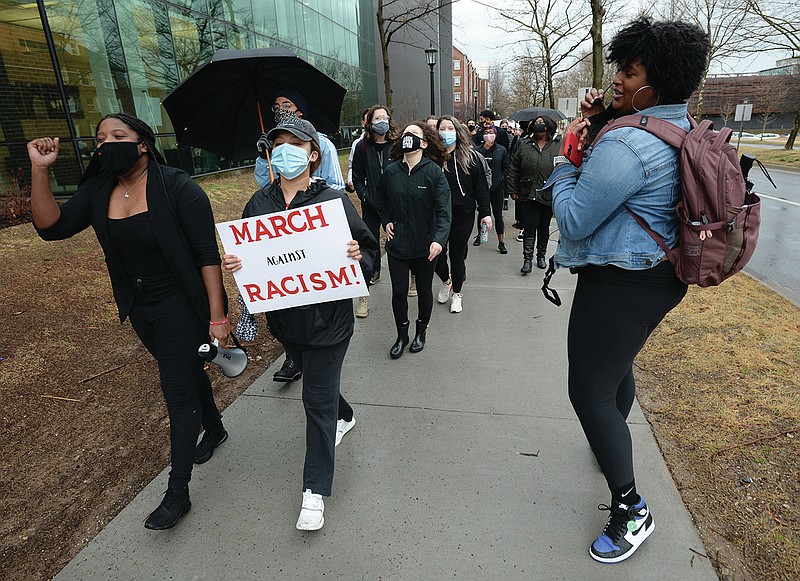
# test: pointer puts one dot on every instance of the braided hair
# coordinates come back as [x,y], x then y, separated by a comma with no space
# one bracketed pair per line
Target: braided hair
[146,136]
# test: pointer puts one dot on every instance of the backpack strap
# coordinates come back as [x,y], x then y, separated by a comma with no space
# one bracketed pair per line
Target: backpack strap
[662,129]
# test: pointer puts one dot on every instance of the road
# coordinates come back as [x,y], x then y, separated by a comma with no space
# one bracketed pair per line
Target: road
[775,259]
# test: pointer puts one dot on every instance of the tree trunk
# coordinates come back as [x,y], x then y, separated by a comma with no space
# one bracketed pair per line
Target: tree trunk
[701,96]
[597,43]
[387,73]
[793,133]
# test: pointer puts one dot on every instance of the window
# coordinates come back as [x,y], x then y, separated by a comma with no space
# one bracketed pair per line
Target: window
[456,81]
[456,65]
[457,97]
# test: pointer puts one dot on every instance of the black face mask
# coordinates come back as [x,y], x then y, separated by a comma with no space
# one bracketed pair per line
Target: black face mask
[410,142]
[471,126]
[538,128]
[119,157]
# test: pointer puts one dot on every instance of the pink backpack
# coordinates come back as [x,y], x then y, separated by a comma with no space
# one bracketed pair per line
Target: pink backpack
[719,214]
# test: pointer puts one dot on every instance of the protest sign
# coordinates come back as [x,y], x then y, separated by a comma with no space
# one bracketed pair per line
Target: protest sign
[294,258]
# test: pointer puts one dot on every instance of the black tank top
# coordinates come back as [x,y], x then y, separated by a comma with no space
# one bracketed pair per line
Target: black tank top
[136,242]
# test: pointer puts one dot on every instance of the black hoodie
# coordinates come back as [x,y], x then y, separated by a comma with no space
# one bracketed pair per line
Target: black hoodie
[321,324]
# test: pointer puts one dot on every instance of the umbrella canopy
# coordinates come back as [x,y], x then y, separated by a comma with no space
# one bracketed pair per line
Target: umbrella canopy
[220,106]
[532,113]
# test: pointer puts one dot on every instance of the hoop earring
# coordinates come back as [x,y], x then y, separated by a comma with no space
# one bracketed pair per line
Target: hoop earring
[633,99]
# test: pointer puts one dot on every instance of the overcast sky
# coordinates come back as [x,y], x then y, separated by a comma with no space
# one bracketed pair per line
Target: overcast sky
[473,32]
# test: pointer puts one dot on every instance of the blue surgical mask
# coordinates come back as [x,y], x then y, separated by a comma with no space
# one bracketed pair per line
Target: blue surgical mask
[381,127]
[289,160]
[449,137]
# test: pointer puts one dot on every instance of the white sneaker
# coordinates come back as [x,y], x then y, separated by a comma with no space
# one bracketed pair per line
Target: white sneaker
[311,518]
[362,310]
[342,427]
[444,292]
[412,288]
[455,303]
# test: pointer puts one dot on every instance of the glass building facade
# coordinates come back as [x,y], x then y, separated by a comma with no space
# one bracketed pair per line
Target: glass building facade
[64,64]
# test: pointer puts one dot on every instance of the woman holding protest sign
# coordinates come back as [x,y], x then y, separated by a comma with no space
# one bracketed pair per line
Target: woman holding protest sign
[157,233]
[316,336]
[413,201]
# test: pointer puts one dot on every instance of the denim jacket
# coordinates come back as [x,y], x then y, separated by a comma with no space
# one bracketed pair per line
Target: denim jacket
[627,166]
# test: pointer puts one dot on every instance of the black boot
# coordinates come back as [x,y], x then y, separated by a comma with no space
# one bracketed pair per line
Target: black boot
[418,344]
[396,352]
[212,438]
[176,503]
[527,255]
[289,371]
[541,260]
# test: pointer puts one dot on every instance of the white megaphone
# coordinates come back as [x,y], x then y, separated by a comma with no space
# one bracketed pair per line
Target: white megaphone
[232,362]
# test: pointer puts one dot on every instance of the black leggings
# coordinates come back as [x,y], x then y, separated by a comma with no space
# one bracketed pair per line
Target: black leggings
[536,222]
[613,313]
[456,247]
[373,221]
[171,331]
[423,270]
[324,405]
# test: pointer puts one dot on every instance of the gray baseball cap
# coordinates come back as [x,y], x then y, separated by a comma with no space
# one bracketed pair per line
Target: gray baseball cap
[298,127]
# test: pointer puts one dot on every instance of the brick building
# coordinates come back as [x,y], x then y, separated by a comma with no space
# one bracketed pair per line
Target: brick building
[466,81]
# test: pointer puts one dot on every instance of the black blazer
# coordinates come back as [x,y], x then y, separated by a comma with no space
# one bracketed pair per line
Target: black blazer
[180,213]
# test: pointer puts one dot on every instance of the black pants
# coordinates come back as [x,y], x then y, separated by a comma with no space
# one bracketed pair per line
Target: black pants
[324,405]
[613,313]
[171,331]
[496,198]
[423,270]
[536,222]
[456,248]
[373,221]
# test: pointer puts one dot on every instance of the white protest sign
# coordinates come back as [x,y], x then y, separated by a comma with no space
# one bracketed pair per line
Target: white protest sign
[293,258]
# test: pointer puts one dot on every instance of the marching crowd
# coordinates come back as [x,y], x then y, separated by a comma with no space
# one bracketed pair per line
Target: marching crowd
[426,184]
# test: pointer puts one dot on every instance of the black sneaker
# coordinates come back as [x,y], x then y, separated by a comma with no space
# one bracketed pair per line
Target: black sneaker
[210,440]
[505,205]
[176,503]
[625,531]
[477,241]
[501,248]
[288,372]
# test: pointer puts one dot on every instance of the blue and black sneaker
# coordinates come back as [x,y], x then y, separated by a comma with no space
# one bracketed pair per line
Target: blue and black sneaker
[625,531]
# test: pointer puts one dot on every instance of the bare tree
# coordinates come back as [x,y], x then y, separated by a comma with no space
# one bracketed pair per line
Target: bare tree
[770,101]
[396,16]
[726,109]
[598,11]
[779,28]
[557,27]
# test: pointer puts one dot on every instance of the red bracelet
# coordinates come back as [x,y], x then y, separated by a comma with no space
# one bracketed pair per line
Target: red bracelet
[222,322]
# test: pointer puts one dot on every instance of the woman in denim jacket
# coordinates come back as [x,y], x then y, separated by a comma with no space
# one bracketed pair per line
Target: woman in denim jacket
[625,284]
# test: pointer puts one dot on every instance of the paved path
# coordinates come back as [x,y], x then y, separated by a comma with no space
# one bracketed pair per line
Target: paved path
[466,462]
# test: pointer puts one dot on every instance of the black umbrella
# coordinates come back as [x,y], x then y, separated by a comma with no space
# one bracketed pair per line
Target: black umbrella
[532,113]
[226,103]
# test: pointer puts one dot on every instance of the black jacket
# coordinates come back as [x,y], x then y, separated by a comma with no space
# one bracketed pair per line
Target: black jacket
[498,160]
[469,189]
[417,203]
[182,221]
[321,324]
[368,166]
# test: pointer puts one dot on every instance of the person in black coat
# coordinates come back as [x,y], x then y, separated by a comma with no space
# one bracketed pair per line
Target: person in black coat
[498,160]
[315,336]
[413,200]
[468,191]
[157,233]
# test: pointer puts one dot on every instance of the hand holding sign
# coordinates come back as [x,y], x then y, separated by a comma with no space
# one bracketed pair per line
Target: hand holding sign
[298,257]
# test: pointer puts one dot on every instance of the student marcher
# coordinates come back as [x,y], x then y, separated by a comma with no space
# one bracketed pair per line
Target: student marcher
[290,103]
[498,160]
[315,336]
[625,285]
[413,200]
[468,191]
[157,233]
[531,165]
[370,160]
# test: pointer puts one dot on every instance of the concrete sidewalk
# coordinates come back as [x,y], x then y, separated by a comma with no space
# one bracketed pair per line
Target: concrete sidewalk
[466,462]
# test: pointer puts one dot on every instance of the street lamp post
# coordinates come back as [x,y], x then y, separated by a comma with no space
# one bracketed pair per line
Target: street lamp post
[475,99]
[430,57]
